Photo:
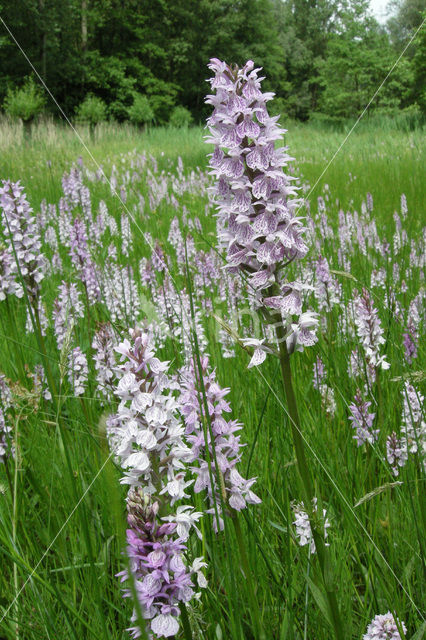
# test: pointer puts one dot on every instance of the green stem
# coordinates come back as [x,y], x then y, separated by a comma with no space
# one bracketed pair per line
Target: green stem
[254,609]
[305,627]
[306,481]
[185,621]
[15,521]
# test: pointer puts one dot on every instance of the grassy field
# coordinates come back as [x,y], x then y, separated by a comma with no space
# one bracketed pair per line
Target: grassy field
[395,158]
[62,507]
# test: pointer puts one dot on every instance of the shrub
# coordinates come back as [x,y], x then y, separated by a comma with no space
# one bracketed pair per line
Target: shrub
[92,110]
[180,117]
[140,112]
[25,103]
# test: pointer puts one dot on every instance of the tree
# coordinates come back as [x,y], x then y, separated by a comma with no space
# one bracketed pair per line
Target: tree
[402,25]
[358,60]
[419,70]
[25,103]
[140,113]
[160,49]
[92,111]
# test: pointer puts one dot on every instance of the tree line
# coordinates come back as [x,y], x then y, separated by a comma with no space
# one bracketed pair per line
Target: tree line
[322,57]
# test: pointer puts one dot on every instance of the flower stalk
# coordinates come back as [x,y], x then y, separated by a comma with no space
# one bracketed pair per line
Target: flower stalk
[306,480]
[262,235]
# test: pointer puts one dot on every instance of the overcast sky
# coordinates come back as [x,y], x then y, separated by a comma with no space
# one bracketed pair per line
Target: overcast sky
[378,8]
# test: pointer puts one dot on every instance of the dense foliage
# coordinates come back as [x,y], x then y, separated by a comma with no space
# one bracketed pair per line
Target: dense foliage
[325,56]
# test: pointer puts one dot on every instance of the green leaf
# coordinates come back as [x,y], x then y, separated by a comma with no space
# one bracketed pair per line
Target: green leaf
[420,633]
[320,599]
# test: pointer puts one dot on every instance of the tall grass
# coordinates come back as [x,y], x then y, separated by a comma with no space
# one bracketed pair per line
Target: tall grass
[62,515]
[374,158]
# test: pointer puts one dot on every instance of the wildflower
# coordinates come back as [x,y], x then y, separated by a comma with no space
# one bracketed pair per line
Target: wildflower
[319,373]
[369,330]
[8,275]
[163,580]
[22,236]
[67,308]
[224,483]
[396,452]
[158,258]
[78,371]
[303,525]
[413,423]
[416,310]
[103,345]
[404,208]
[41,388]
[328,291]
[120,293]
[148,430]
[175,238]
[6,440]
[148,439]
[410,339]
[81,259]
[255,200]
[362,420]
[72,184]
[378,278]
[126,236]
[5,392]
[384,627]
[328,401]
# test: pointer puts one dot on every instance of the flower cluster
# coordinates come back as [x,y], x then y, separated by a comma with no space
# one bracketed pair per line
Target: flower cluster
[328,401]
[6,441]
[396,452]
[328,290]
[78,371]
[255,200]
[81,259]
[148,429]
[67,307]
[6,446]
[147,437]
[362,420]
[215,447]
[413,423]
[8,273]
[162,578]
[41,388]
[369,330]
[410,339]
[22,238]
[303,525]
[384,627]
[103,345]
[120,293]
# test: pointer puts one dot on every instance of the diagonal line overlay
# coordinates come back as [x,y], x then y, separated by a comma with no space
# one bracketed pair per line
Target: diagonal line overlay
[56,537]
[147,240]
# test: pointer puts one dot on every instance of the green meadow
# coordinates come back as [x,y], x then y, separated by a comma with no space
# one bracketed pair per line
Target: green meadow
[62,507]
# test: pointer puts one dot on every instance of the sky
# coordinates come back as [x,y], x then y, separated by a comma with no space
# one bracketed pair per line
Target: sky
[378,9]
